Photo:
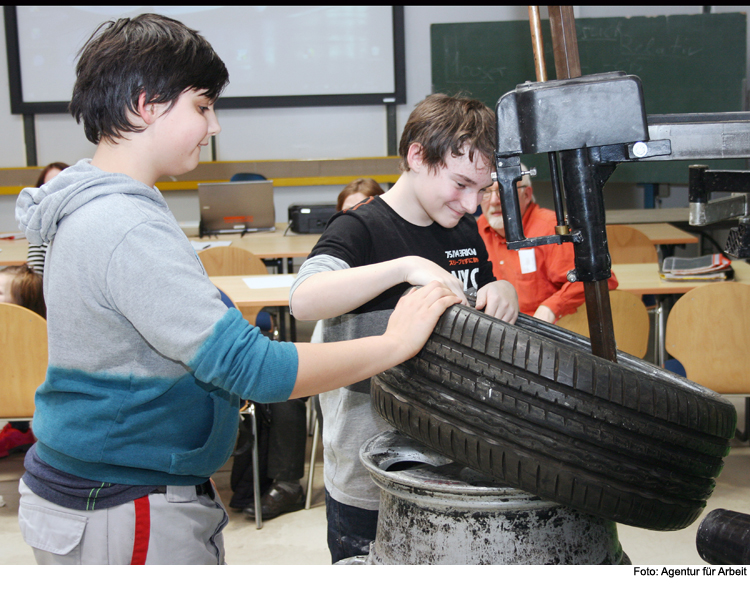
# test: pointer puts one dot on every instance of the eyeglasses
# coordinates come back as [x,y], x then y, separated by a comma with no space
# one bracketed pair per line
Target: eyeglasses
[487,193]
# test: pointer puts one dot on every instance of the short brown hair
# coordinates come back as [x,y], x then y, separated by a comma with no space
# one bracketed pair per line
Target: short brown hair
[26,288]
[441,123]
[364,185]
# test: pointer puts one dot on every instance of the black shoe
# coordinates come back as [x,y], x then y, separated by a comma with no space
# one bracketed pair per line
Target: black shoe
[278,500]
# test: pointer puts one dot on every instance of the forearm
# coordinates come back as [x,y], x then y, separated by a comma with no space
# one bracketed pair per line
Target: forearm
[324,367]
[332,293]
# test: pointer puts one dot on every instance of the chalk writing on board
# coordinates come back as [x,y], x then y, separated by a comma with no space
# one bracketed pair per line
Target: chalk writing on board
[458,72]
[627,45]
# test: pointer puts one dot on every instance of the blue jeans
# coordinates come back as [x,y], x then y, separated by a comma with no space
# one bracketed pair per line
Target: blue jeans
[350,529]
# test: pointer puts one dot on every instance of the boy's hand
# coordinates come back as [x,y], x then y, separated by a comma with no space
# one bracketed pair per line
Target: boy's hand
[499,299]
[419,271]
[416,314]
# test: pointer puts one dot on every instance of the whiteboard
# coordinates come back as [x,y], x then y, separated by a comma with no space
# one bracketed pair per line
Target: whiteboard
[275,55]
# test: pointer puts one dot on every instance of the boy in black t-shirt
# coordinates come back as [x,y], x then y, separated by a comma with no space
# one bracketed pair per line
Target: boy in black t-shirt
[418,231]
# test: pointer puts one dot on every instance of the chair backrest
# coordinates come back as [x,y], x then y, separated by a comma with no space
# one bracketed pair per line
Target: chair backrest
[247,177]
[708,331]
[630,246]
[23,360]
[231,261]
[629,318]
[234,261]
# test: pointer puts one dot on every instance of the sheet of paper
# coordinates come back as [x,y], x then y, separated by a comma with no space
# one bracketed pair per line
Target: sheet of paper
[270,281]
[527,258]
[201,245]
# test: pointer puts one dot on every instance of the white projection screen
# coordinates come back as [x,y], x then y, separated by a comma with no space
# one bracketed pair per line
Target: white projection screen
[276,55]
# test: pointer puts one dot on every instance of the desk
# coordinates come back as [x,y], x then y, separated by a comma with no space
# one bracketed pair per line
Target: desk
[13,251]
[244,296]
[644,279]
[648,215]
[269,245]
[266,245]
[663,233]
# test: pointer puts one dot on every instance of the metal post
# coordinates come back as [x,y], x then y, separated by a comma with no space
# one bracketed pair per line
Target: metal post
[583,194]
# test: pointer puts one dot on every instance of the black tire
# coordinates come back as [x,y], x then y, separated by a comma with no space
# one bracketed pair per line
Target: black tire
[531,406]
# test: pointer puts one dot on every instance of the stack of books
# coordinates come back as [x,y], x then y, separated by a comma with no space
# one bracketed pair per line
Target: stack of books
[706,268]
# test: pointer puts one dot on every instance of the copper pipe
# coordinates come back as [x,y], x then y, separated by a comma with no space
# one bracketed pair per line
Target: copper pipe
[537,43]
[564,42]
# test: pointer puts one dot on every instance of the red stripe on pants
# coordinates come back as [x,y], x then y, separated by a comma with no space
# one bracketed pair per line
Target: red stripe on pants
[142,530]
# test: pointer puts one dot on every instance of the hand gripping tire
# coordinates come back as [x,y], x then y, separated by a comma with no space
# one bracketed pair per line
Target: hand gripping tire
[531,406]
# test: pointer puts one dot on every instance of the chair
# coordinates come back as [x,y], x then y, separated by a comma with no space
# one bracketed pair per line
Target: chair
[235,261]
[629,318]
[708,331]
[630,246]
[247,177]
[23,360]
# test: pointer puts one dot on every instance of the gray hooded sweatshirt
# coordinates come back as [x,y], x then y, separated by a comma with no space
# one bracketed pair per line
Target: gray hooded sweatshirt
[146,364]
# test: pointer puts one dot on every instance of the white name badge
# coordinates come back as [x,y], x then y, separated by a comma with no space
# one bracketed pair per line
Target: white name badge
[528,260]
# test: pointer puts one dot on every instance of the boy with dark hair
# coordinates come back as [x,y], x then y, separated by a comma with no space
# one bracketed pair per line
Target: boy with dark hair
[146,365]
[415,233]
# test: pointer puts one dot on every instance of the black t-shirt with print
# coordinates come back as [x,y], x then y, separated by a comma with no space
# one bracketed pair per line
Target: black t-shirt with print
[372,232]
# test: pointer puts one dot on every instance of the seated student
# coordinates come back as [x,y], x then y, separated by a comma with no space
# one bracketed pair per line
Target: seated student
[356,191]
[420,230]
[147,365]
[20,285]
[539,274]
[37,253]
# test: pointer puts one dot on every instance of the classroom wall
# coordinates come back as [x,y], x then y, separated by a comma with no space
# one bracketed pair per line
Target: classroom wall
[314,132]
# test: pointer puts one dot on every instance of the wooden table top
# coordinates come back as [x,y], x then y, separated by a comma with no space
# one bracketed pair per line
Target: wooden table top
[275,244]
[269,245]
[648,215]
[644,278]
[242,295]
[13,252]
[662,233]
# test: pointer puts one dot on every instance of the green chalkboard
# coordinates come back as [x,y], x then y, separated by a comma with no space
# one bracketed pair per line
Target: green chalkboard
[687,63]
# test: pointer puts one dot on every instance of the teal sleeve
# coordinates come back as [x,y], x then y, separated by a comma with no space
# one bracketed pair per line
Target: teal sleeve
[238,358]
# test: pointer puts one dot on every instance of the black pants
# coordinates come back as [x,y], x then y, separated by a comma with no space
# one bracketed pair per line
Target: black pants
[287,438]
[282,437]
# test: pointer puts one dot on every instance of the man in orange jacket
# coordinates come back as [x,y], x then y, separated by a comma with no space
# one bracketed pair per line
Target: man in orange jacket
[539,274]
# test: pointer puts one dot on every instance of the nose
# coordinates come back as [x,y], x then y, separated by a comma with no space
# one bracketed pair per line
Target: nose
[470,201]
[213,124]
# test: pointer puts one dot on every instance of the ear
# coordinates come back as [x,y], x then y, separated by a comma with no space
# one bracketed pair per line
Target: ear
[148,112]
[414,156]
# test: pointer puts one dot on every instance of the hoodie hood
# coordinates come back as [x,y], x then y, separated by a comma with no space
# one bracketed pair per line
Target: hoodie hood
[39,211]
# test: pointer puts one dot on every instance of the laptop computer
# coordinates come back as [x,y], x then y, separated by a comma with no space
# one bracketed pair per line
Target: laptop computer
[236,207]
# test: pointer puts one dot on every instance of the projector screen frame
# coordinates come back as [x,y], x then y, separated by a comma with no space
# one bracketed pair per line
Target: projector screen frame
[397,97]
